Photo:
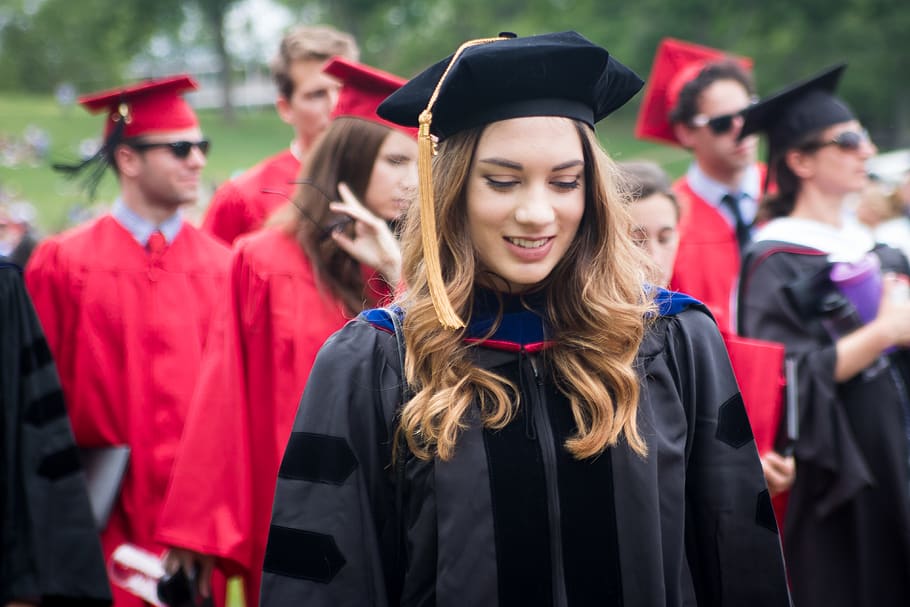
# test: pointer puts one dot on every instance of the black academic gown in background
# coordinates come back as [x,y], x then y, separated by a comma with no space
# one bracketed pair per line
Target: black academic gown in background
[512,518]
[49,547]
[847,529]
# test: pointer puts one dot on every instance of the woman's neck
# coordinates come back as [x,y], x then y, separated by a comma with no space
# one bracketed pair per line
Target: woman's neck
[816,205]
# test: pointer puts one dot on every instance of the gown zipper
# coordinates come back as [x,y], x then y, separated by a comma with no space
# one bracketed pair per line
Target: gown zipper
[544,432]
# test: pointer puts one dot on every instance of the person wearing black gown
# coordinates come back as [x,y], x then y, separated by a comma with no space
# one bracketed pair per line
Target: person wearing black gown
[549,430]
[49,548]
[847,529]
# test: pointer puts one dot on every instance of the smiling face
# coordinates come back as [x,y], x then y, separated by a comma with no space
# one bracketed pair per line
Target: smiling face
[525,198]
[393,179]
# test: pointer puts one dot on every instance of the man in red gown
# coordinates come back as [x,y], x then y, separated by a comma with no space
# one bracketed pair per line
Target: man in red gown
[694,98]
[306,96]
[126,300]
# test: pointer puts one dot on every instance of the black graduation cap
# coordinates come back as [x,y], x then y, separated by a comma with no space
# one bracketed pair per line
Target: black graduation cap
[798,110]
[559,74]
[491,79]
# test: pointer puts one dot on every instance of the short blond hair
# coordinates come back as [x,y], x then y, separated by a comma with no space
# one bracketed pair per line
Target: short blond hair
[309,43]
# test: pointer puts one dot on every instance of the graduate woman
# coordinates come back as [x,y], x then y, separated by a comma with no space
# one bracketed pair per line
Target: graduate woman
[847,530]
[292,285]
[564,440]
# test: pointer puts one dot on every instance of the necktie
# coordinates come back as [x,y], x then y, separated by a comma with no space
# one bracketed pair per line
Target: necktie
[156,244]
[743,233]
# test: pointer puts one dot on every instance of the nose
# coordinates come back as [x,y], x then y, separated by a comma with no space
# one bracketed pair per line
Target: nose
[410,178]
[535,208]
[332,97]
[868,148]
[196,157]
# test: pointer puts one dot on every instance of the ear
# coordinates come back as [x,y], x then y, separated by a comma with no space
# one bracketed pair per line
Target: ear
[283,107]
[129,161]
[801,163]
[685,134]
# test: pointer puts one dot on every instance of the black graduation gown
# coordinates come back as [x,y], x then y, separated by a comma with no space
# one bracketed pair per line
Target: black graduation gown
[847,528]
[512,518]
[49,547]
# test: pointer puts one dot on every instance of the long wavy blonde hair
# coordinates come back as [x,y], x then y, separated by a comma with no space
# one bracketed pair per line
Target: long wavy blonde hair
[596,307]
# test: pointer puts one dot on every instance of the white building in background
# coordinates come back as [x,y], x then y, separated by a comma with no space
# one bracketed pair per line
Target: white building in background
[252,85]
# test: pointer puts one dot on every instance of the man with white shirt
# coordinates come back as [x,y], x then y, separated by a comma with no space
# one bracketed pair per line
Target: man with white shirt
[695,99]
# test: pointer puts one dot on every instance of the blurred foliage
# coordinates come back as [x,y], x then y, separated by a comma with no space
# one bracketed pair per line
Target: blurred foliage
[43,42]
[788,40]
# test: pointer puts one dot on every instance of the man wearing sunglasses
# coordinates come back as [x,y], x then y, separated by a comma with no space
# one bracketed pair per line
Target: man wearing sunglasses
[306,97]
[695,99]
[127,300]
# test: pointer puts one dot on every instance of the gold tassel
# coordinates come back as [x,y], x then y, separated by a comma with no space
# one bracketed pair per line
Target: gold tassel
[445,313]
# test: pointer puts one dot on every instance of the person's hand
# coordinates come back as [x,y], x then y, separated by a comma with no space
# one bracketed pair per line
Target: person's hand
[373,243]
[779,471]
[894,309]
[196,566]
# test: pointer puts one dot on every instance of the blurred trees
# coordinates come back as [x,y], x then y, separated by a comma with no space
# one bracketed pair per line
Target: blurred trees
[91,40]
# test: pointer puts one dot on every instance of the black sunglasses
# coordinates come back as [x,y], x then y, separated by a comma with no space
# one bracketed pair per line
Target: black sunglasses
[718,125]
[849,141]
[180,149]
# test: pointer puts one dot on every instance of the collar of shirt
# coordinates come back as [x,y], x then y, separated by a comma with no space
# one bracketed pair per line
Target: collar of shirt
[712,192]
[142,228]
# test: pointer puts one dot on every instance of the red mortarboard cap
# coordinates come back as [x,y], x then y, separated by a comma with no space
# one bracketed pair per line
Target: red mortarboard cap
[675,64]
[363,89]
[148,107]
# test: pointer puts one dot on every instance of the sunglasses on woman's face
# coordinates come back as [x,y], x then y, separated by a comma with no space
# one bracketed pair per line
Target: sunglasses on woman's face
[180,149]
[849,141]
[719,124]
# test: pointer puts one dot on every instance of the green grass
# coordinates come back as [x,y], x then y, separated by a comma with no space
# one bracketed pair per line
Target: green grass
[254,135]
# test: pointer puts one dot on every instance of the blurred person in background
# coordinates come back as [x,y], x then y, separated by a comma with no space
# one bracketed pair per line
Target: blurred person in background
[17,233]
[885,214]
[306,96]
[126,300]
[838,302]
[694,99]
[655,220]
[293,284]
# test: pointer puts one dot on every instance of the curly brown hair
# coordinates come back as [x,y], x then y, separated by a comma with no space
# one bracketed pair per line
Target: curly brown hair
[598,315]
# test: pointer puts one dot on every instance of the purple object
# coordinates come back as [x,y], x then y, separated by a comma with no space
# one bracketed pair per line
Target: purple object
[861,283]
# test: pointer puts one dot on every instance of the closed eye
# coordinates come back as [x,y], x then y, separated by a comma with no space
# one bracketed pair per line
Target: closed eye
[501,184]
[569,185]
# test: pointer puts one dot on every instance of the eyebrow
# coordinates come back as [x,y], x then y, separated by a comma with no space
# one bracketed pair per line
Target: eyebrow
[509,164]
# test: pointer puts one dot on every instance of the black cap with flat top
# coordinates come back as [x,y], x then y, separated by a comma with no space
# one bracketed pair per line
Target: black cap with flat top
[559,74]
[798,110]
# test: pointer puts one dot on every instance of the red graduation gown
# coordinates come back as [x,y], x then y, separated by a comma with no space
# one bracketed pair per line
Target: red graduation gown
[708,260]
[267,337]
[239,205]
[127,331]
[759,368]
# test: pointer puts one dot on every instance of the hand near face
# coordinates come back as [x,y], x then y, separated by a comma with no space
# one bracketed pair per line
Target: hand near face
[373,243]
